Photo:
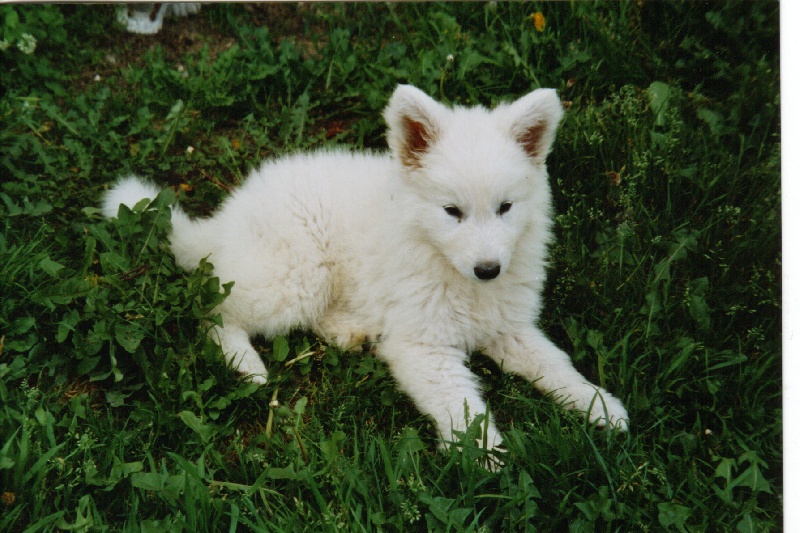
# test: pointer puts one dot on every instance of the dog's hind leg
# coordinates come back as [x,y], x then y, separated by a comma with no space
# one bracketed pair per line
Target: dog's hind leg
[267,299]
[340,329]
[239,352]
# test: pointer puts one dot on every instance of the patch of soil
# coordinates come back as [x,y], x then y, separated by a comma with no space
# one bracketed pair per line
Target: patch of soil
[180,36]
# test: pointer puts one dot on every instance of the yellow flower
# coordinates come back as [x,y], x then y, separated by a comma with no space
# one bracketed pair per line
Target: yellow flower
[538,21]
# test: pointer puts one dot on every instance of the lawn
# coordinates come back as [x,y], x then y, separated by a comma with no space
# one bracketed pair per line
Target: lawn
[117,413]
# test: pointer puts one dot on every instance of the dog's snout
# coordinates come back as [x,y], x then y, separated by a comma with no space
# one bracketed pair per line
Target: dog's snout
[487,270]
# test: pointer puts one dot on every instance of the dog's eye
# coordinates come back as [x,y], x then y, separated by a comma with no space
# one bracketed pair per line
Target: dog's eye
[504,208]
[453,211]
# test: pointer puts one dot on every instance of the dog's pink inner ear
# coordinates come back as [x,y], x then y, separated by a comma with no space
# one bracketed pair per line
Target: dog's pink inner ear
[417,141]
[531,140]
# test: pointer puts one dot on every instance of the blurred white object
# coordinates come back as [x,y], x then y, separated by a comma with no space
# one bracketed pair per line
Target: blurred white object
[147,18]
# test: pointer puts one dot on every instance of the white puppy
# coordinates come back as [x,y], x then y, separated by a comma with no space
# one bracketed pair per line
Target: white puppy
[428,253]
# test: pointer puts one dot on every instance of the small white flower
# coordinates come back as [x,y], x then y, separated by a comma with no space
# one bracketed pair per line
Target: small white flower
[97,77]
[26,43]
[189,150]
[274,404]
[450,58]
[410,511]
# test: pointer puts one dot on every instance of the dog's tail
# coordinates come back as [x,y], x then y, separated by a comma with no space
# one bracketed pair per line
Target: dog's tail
[130,191]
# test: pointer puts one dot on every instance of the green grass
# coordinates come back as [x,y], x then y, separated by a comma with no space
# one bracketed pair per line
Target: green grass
[116,413]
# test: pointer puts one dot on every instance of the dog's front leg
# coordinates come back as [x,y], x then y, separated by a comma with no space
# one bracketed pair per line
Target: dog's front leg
[525,351]
[441,386]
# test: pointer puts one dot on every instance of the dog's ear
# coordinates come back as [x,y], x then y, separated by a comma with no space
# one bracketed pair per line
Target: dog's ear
[414,121]
[533,121]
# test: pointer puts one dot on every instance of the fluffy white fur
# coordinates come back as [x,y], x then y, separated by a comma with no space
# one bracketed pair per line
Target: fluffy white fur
[389,249]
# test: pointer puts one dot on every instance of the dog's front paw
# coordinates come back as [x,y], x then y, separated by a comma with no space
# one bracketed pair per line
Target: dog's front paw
[481,441]
[607,411]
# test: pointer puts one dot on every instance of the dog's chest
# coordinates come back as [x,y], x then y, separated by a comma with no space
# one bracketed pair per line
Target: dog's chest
[435,311]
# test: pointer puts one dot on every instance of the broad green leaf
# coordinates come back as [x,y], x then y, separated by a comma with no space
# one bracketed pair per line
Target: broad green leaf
[67,325]
[50,267]
[280,348]
[129,336]
[660,94]
[673,514]
[206,431]
[714,119]
[753,479]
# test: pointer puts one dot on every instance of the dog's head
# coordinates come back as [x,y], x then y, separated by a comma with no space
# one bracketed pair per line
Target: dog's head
[478,177]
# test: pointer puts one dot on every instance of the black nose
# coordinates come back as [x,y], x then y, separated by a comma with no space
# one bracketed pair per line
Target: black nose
[487,270]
